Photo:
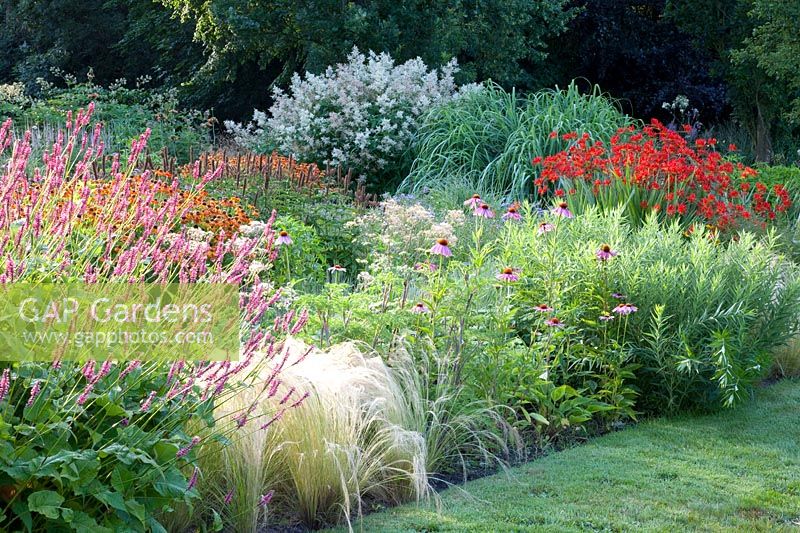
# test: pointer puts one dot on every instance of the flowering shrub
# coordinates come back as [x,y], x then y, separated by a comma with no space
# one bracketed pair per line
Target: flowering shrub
[110,445]
[656,169]
[360,114]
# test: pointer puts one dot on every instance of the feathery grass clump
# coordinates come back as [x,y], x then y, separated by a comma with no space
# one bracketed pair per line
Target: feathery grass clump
[368,434]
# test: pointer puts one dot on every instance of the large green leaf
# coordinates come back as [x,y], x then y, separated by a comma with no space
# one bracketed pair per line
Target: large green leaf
[46,502]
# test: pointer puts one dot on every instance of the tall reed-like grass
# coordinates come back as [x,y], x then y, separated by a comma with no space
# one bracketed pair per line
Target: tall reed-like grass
[485,140]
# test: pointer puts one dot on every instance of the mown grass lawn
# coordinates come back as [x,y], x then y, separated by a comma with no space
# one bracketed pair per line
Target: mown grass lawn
[736,470]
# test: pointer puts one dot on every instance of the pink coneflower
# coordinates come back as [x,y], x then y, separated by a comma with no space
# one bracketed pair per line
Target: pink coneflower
[441,248]
[512,214]
[606,316]
[266,498]
[508,274]
[283,238]
[625,309]
[554,322]
[604,253]
[617,295]
[337,268]
[542,308]
[474,201]
[562,210]
[35,389]
[484,211]
[545,227]
[420,308]
[5,382]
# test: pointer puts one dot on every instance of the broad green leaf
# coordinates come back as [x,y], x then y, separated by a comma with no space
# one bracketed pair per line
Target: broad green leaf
[46,502]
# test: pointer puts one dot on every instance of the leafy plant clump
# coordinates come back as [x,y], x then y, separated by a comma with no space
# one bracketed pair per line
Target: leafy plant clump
[485,140]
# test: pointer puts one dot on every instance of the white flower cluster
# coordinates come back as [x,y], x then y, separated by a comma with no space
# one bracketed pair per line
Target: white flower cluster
[13,93]
[400,231]
[360,114]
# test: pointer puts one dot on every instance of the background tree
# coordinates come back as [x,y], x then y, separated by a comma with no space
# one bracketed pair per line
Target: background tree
[490,38]
[634,52]
[759,97]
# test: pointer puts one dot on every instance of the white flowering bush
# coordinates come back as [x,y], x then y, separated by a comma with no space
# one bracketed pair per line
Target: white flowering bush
[360,114]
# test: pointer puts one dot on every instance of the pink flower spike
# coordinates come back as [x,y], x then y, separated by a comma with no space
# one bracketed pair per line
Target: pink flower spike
[35,389]
[441,248]
[604,253]
[474,201]
[5,382]
[484,211]
[266,498]
[562,210]
[193,479]
[508,275]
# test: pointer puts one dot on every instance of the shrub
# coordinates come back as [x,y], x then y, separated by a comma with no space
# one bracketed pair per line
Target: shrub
[360,114]
[110,446]
[485,140]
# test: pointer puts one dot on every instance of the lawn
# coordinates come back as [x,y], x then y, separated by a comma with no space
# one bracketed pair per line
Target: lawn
[735,470]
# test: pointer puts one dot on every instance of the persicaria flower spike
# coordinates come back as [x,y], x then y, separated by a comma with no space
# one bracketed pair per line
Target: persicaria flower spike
[35,389]
[442,248]
[5,382]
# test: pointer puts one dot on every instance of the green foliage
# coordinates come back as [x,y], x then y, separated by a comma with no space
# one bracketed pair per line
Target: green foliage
[708,315]
[301,263]
[484,141]
[125,113]
[775,48]
[491,39]
[103,465]
[753,50]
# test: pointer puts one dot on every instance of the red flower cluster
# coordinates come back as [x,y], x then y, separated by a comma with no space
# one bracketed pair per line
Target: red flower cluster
[678,177]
